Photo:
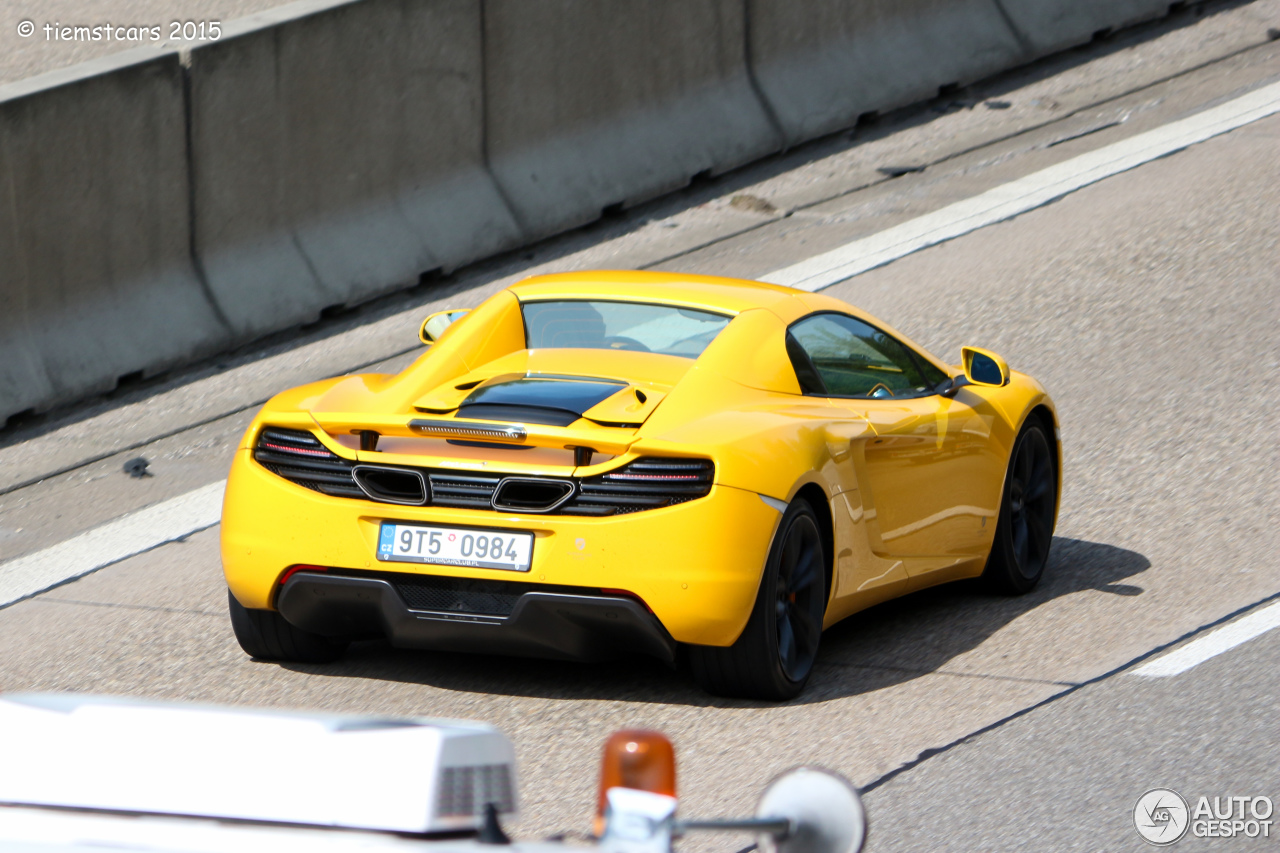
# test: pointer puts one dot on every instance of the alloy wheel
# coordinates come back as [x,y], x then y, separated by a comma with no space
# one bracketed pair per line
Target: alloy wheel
[1031,503]
[798,598]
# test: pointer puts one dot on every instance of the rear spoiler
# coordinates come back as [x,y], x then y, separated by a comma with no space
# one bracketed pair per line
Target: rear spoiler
[603,439]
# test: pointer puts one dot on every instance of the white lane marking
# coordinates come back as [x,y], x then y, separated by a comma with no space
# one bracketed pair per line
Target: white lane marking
[111,542]
[1024,194]
[1212,644]
[198,510]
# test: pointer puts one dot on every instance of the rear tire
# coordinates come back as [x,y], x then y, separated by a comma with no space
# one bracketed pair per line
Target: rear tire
[1024,530]
[265,634]
[774,656]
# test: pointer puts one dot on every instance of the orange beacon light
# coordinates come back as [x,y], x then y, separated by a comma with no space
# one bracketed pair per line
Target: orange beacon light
[638,759]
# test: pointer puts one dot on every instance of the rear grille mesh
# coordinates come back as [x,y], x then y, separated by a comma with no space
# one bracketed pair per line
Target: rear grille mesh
[465,791]
[467,491]
[460,595]
[300,458]
[470,596]
[645,483]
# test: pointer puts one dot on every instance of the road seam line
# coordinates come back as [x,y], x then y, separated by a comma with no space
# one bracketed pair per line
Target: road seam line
[990,727]
[150,608]
[126,536]
[1211,645]
[1025,194]
[951,673]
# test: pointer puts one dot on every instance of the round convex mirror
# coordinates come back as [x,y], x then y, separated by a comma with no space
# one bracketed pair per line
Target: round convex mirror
[824,808]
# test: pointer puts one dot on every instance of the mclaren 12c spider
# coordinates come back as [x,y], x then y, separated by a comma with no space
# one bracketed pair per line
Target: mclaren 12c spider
[598,464]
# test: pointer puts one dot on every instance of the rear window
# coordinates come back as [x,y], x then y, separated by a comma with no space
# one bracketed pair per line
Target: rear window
[635,326]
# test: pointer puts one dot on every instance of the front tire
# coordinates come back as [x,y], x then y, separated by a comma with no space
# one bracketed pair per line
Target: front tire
[1024,531]
[266,635]
[774,656]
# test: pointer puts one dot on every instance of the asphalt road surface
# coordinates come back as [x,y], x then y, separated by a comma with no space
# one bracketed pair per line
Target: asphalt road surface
[1146,303]
[1067,775]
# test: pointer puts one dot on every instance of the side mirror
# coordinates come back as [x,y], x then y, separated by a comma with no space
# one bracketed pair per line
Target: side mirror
[983,367]
[434,326]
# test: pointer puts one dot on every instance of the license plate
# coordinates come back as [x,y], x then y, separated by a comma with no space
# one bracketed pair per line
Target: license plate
[455,546]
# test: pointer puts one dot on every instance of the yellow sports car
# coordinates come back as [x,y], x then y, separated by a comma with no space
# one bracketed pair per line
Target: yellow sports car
[603,463]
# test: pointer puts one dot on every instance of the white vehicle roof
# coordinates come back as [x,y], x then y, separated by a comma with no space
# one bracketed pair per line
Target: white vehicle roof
[120,755]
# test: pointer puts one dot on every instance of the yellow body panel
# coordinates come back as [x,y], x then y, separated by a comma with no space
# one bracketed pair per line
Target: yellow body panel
[911,487]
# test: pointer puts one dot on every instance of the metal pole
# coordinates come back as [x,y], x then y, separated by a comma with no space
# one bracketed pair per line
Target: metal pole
[778,827]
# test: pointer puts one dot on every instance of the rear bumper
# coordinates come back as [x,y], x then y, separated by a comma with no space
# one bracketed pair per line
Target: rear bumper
[541,624]
[696,565]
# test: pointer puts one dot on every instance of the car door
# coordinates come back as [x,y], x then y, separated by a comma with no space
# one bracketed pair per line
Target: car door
[929,471]
[925,474]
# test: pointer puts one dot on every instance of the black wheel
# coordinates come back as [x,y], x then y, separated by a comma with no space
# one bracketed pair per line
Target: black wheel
[1024,531]
[774,656]
[265,634]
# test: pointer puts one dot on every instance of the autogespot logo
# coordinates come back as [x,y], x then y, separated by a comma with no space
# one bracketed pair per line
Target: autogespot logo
[1161,816]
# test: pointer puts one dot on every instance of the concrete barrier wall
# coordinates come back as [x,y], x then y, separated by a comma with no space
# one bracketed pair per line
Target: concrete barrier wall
[1051,26]
[590,104]
[822,63]
[96,278]
[155,208]
[339,155]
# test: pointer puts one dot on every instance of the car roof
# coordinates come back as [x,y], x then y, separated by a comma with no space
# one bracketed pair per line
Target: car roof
[713,293]
[708,292]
